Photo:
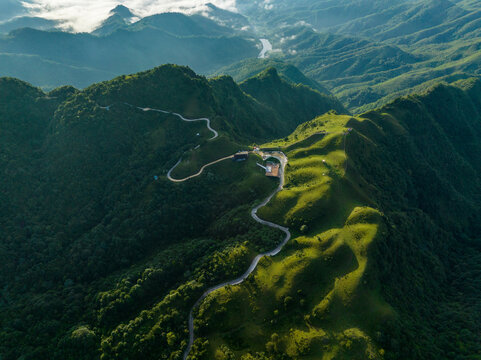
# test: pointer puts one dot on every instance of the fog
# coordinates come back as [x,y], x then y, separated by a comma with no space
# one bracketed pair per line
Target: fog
[86,15]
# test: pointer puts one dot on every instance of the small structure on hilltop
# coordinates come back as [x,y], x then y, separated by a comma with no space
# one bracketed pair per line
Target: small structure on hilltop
[272,169]
[241,156]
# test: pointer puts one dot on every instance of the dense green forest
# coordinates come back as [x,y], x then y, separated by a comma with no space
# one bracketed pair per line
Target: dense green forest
[103,257]
[92,242]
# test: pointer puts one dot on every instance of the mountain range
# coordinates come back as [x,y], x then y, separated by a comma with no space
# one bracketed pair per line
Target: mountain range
[323,202]
[383,209]
[51,58]
[366,53]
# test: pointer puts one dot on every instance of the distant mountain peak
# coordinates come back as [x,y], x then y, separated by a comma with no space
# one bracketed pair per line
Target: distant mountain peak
[122,11]
[119,18]
[211,6]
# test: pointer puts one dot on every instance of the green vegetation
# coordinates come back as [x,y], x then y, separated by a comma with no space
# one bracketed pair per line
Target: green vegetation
[368,53]
[314,300]
[106,253]
[291,101]
[103,257]
[376,268]
[251,67]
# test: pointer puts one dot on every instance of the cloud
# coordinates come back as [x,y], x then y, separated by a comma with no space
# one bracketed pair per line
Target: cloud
[86,15]
[268,4]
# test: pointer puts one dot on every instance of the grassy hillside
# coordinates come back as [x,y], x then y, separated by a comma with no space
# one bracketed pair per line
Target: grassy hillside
[98,248]
[385,249]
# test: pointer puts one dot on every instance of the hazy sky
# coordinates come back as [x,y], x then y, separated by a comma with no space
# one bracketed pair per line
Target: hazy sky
[85,15]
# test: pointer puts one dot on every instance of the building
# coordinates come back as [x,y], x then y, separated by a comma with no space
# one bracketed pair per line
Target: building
[272,169]
[241,156]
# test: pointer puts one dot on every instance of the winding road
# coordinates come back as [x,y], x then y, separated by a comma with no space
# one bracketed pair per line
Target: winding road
[216,134]
[283,160]
[169,174]
[275,154]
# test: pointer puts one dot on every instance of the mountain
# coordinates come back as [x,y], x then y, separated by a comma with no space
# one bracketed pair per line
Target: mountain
[248,68]
[119,18]
[269,89]
[101,164]
[385,248]
[346,64]
[80,59]
[182,25]
[103,256]
[368,53]
[226,18]
[27,21]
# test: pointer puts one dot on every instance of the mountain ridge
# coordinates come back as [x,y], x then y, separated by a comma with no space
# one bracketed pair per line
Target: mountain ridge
[394,183]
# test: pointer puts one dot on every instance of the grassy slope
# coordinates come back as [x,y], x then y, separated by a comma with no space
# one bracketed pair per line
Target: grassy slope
[96,245]
[368,272]
[302,302]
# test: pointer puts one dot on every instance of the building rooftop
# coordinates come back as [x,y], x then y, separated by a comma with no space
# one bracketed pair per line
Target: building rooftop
[272,169]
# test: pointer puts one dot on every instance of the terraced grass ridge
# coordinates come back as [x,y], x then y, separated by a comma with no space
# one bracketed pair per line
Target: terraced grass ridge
[380,206]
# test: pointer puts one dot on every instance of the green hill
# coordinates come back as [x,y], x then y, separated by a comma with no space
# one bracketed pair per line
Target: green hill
[386,246]
[89,218]
[292,102]
[248,68]
[103,257]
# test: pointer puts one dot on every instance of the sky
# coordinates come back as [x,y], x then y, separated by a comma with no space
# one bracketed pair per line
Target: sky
[86,15]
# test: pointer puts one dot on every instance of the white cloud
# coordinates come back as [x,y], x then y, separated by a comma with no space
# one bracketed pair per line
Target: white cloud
[268,4]
[288,38]
[85,15]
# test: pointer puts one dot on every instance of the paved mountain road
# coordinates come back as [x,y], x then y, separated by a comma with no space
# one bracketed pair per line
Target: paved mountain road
[169,174]
[276,154]
[283,160]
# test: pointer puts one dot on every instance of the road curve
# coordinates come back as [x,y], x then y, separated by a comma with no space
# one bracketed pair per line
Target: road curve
[216,134]
[283,159]
[169,174]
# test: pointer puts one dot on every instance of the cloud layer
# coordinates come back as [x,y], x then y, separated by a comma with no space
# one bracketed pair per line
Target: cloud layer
[86,15]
